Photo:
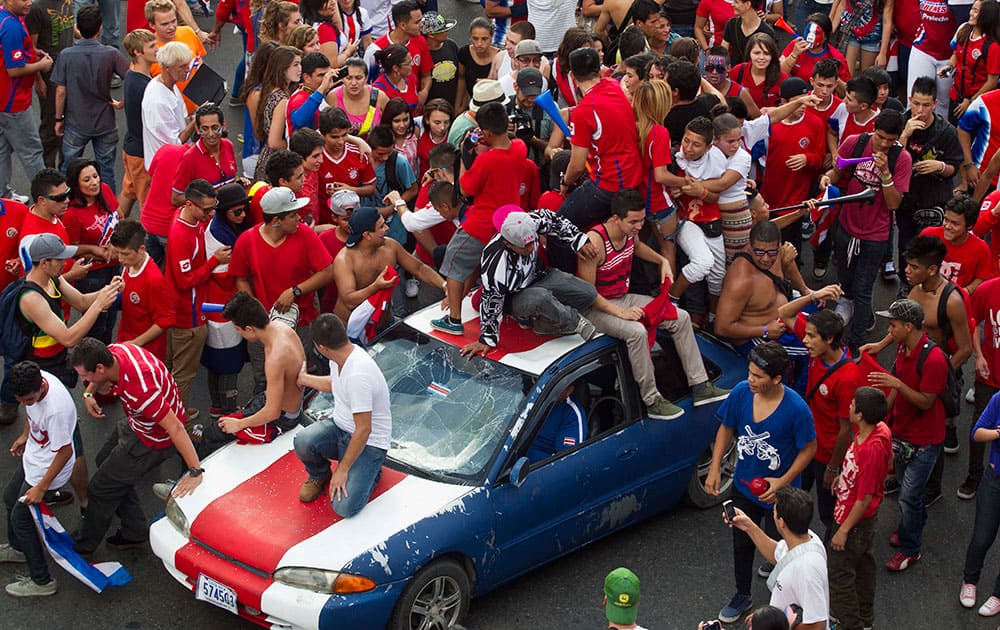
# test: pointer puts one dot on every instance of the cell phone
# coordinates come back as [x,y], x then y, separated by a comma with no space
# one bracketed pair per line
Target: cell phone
[714,624]
[730,511]
[946,72]
[340,73]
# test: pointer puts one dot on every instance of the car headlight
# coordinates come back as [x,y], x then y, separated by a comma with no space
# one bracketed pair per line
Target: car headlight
[176,517]
[323,581]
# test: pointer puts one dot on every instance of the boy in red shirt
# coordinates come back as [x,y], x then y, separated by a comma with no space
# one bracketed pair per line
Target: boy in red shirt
[492,181]
[855,115]
[343,167]
[859,489]
[309,145]
[968,262]
[146,310]
[824,81]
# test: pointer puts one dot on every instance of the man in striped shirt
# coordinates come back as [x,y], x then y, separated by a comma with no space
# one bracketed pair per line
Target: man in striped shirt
[156,416]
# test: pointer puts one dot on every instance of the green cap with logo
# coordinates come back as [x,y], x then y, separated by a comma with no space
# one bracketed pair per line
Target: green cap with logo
[621,589]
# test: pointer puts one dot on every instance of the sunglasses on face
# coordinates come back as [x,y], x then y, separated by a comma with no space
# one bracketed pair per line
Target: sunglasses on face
[770,252]
[59,197]
[239,211]
[719,69]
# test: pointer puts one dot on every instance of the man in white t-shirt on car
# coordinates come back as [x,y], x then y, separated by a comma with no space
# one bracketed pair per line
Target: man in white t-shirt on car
[799,576]
[359,434]
[47,456]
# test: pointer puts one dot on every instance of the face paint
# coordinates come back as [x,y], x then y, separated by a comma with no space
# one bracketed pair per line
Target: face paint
[814,35]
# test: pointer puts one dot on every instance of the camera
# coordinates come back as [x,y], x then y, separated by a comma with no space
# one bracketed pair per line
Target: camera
[523,125]
[730,511]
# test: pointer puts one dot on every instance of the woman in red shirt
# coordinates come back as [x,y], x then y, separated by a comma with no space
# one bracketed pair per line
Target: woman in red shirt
[397,78]
[438,114]
[762,75]
[90,220]
[976,61]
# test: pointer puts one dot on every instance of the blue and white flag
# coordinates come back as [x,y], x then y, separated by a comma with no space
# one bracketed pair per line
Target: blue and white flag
[60,545]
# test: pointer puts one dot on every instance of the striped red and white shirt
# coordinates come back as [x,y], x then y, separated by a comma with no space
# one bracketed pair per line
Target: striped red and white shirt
[148,393]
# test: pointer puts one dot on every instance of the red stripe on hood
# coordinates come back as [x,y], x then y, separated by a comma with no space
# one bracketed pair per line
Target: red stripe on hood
[262,518]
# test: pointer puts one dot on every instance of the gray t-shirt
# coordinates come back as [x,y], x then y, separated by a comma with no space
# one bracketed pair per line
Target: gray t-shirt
[85,70]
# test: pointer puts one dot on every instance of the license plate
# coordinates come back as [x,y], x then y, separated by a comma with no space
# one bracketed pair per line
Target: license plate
[217,593]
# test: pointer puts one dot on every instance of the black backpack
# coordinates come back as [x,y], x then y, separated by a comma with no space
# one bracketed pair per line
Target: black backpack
[951,396]
[859,148]
[14,339]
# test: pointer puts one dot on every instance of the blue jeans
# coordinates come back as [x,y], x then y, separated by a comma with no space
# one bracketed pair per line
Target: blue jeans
[912,474]
[684,30]
[241,69]
[109,19]
[805,8]
[587,205]
[105,150]
[858,279]
[19,135]
[321,442]
[21,532]
[984,528]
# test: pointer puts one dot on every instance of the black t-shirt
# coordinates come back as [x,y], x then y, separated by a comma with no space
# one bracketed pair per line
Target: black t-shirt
[132,90]
[938,142]
[473,71]
[680,115]
[444,75]
[681,11]
[52,21]
[733,33]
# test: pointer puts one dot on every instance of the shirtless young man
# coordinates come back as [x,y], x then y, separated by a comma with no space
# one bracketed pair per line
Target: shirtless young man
[283,358]
[360,269]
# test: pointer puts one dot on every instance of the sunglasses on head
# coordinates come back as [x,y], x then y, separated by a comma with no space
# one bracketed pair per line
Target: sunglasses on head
[758,360]
[59,197]
[770,252]
[715,68]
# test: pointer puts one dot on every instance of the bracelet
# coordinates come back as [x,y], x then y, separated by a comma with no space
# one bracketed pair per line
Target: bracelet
[764,334]
[833,469]
[967,165]
[704,193]
[87,395]
[944,165]
[60,118]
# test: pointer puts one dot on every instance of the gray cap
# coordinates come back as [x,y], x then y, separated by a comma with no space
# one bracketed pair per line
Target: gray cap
[343,201]
[519,229]
[280,200]
[907,311]
[527,47]
[43,246]
[529,81]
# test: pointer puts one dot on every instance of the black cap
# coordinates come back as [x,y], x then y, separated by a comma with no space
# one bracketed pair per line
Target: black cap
[792,87]
[529,81]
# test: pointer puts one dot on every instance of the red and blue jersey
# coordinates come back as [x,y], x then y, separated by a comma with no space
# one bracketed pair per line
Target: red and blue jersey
[17,53]
[978,122]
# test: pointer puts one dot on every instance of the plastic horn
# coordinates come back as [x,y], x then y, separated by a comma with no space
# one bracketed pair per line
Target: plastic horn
[785,26]
[865,196]
[843,162]
[544,100]
[209,307]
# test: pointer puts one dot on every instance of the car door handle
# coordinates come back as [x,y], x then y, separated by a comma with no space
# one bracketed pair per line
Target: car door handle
[628,452]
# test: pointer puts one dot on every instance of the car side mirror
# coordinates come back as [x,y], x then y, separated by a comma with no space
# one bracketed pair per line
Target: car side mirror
[519,472]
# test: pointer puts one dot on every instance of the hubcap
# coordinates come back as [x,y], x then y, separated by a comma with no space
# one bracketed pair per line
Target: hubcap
[437,606]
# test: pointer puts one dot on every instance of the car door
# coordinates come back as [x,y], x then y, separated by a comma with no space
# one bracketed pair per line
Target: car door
[569,499]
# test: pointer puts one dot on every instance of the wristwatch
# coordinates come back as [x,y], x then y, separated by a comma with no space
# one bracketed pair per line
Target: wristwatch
[195,472]
[296,291]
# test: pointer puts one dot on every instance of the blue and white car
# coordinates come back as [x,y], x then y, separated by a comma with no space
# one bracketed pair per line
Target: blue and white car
[459,510]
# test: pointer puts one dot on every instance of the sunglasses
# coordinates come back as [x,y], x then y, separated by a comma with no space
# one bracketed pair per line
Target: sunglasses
[210,208]
[770,252]
[238,211]
[59,197]
[714,68]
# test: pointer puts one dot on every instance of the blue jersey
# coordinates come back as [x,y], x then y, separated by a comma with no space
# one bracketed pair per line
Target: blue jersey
[565,427]
[978,122]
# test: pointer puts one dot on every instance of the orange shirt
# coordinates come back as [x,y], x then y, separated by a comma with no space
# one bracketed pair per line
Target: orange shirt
[186,36]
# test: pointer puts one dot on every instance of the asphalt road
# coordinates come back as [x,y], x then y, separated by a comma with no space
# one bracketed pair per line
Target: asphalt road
[682,557]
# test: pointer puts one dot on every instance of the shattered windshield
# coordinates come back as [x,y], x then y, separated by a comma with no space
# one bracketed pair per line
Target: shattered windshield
[449,414]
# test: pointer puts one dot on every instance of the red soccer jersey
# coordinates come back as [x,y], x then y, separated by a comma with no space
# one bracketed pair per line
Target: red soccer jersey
[187,270]
[148,393]
[989,224]
[410,93]
[825,113]
[158,213]
[909,423]
[966,262]
[198,163]
[655,153]
[18,52]
[986,309]
[295,101]
[301,255]
[492,182]
[531,186]
[90,225]
[603,123]
[782,186]
[424,146]
[718,12]
[420,53]
[333,244]
[310,188]
[144,303]
[937,25]
[866,465]
[762,97]
[804,65]
[972,72]
[350,168]
[12,215]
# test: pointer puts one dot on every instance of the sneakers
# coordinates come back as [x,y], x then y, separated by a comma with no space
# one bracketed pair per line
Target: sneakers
[901,562]
[236,101]
[311,489]
[706,393]
[214,413]
[891,485]
[808,228]
[931,499]
[663,409]
[736,608]
[120,542]
[9,554]
[412,288]
[445,325]
[765,569]
[950,440]
[889,272]
[585,329]
[970,396]
[844,308]
[990,607]
[193,413]
[163,490]
[967,596]
[58,497]
[26,587]
[8,413]
[819,269]
[967,490]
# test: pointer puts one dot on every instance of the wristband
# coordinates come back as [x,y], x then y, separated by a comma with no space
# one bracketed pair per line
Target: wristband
[967,165]
[764,335]
[60,118]
[833,469]
[87,395]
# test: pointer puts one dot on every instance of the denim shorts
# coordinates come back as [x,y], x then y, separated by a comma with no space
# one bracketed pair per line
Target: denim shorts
[662,215]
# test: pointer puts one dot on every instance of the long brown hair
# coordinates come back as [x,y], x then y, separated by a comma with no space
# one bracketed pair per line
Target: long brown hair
[651,104]
[274,79]
[773,72]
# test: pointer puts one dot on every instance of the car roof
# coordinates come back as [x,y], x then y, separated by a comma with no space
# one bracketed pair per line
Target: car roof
[519,348]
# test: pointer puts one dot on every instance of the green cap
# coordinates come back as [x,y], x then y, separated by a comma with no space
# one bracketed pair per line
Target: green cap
[621,589]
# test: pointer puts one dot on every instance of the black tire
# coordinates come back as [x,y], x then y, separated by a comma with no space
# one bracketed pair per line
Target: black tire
[436,599]
[696,494]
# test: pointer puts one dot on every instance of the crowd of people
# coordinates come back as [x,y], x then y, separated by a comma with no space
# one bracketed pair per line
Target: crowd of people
[620,168]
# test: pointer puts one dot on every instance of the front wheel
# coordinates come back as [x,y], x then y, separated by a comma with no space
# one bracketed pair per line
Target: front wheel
[696,494]
[437,598]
